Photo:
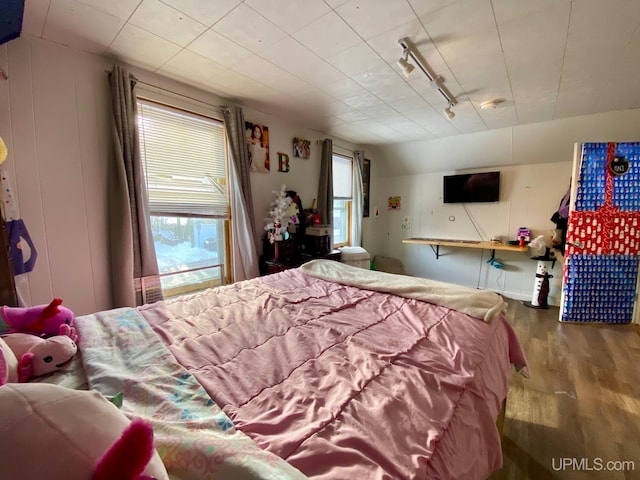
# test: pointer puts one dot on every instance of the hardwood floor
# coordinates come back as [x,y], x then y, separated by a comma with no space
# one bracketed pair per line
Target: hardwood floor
[580,409]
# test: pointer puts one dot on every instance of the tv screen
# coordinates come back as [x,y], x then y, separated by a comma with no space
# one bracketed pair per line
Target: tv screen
[472,187]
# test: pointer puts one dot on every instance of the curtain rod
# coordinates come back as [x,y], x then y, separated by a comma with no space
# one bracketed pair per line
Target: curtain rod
[337,145]
[133,77]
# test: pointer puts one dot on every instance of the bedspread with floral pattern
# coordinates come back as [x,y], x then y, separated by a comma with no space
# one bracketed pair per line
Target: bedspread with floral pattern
[194,437]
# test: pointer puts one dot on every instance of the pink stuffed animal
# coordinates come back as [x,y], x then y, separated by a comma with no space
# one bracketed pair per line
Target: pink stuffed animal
[8,364]
[55,433]
[52,319]
[36,356]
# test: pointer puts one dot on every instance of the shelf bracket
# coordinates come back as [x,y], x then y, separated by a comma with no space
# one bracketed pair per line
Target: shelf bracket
[436,250]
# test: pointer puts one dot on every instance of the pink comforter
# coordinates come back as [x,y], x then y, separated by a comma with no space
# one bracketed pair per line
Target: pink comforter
[346,383]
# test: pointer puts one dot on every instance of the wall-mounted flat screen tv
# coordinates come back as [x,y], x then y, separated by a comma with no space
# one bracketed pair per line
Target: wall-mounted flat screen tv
[471,187]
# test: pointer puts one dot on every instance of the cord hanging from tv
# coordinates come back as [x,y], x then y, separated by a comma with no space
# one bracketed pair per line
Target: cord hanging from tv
[471,187]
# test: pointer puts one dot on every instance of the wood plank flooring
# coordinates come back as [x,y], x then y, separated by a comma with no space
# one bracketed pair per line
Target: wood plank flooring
[580,409]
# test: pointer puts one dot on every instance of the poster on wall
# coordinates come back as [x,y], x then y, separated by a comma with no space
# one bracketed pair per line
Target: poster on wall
[258,146]
[394,203]
[366,180]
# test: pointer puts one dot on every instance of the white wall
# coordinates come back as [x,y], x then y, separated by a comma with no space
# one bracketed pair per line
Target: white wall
[535,162]
[56,124]
[529,195]
[56,131]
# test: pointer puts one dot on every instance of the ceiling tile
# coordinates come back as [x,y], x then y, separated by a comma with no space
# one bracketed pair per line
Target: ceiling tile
[290,16]
[187,66]
[118,8]
[361,101]
[467,117]
[502,116]
[507,10]
[219,48]
[458,20]
[535,68]
[35,14]
[343,88]
[335,3]
[139,47]
[327,36]
[352,116]
[82,27]
[270,74]
[295,58]
[475,60]
[380,112]
[570,104]
[535,112]
[369,18]
[204,11]
[620,93]
[589,58]
[249,29]
[357,59]
[423,7]
[167,22]
[413,102]
[398,90]
[377,78]
[628,63]
[525,58]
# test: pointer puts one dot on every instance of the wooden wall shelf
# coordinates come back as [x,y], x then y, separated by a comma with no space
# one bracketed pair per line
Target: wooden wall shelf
[436,243]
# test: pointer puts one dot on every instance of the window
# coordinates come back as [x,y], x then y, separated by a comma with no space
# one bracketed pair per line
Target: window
[183,156]
[342,197]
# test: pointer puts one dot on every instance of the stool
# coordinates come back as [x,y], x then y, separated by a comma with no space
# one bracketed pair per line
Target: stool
[355,256]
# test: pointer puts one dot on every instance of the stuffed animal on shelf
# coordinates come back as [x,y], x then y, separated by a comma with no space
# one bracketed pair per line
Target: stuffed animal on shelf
[46,320]
[25,356]
[75,435]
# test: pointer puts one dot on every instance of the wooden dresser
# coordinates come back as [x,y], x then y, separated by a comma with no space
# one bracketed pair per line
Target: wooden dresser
[284,255]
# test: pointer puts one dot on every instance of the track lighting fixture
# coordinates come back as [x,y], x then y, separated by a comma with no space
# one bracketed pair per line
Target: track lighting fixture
[404,64]
[409,51]
[448,112]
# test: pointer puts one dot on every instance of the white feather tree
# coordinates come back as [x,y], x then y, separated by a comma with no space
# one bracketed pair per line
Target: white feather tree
[278,219]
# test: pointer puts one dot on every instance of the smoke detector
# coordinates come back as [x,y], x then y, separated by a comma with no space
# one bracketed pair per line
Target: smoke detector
[491,104]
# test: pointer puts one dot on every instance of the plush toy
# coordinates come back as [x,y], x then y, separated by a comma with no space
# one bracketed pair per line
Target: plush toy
[8,364]
[52,319]
[35,356]
[52,432]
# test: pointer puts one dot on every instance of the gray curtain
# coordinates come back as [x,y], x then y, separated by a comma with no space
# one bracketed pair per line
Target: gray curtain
[357,203]
[243,224]
[134,268]
[235,127]
[325,186]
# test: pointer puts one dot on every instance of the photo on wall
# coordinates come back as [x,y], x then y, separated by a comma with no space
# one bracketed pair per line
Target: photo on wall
[301,148]
[258,146]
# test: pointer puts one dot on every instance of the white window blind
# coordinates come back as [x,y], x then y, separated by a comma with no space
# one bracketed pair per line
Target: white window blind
[184,161]
[342,172]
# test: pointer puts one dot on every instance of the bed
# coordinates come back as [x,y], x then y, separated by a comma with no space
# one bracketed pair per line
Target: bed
[326,371]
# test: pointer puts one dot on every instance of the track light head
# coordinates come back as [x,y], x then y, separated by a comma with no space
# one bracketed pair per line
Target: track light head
[448,112]
[404,64]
